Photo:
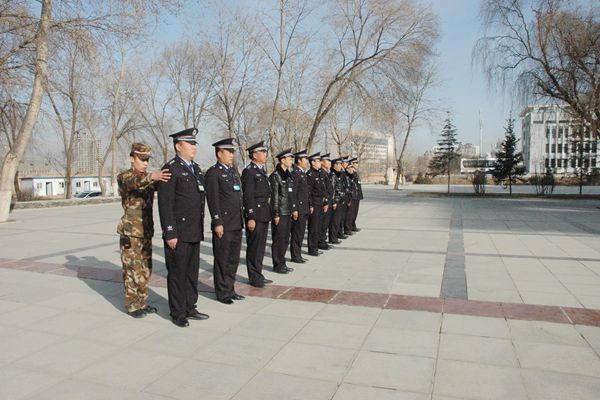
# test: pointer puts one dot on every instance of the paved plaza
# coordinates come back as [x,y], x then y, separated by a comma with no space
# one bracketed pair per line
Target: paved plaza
[435,298]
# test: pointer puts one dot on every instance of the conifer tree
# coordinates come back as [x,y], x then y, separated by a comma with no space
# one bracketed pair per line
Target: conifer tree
[508,166]
[446,153]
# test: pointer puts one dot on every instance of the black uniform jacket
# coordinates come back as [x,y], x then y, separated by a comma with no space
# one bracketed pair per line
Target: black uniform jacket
[301,189]
[339,187]
[181,202]
[283,198]
[257,193]
[224,197]
[317,188]
[358,185]
[327,178]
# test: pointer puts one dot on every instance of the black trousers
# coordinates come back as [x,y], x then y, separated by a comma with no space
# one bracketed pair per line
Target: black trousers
[350,216]
[314,229]
[325,225]
[256,242]
[281,239]
[183,264]
[226,251]
[337,220]
[298,230]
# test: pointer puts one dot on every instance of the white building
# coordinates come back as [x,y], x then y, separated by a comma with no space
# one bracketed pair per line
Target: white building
[546,141]
[51,186]
[376,155]
[86,153]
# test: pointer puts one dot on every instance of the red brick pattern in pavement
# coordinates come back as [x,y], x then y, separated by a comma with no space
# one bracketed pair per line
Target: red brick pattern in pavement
[529,312]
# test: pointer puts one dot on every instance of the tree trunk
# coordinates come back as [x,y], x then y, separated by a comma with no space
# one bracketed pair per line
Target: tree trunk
[13,157]
[448,177]
[510,185]
[581,182]
[17,186]
[399,173]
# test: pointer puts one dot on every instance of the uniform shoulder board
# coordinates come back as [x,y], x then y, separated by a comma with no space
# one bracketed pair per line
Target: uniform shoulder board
[171,162]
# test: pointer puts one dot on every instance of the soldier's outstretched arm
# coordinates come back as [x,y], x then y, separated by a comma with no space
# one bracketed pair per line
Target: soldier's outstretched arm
[130,180]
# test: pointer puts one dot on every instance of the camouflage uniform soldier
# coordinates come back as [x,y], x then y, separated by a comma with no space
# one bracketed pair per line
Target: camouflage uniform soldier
[136,188]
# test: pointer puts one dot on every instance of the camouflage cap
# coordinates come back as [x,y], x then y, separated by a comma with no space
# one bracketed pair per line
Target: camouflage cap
[141,151]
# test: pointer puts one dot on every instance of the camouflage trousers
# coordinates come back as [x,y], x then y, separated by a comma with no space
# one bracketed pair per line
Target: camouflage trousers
[136,256]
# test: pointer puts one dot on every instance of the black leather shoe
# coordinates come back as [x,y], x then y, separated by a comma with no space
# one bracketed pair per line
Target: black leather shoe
[226,301]
[150,310]
[335,242]
[314,253]
[356,230]
[181,322]
[349,233]
[137,313]
[195,314]
[281,271]
[289,269]
[238,297]
[343,236]
[298,260]
[324,247]
[265,281]
[257,284]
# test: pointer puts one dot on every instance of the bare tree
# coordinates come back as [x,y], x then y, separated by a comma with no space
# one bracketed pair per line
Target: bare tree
[102,17]
[236,63]
[191,75]
[546,49]
[368,33]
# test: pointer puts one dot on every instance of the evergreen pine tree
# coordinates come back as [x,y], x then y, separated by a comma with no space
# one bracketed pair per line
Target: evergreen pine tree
[446,153]
[508,166]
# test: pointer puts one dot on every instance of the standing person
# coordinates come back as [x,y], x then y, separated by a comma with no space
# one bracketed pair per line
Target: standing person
[319,203]
[326,177]
[339,201]
[302,203]
[343,177]
[257,212]
[358,184]
[136,228]
[181,208]
[283,210]
[224,197]
[353,199]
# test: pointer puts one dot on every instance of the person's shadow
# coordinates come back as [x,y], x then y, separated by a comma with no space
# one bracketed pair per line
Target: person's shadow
[106,279]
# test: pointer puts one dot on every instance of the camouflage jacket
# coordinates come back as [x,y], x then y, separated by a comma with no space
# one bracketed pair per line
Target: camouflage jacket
[137,195]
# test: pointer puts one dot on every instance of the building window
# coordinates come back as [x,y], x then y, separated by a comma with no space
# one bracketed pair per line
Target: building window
[38,185]
[547,148]
[547,163]
[61,185]
[559,163]
[77,184]
[95,184]
[553,163]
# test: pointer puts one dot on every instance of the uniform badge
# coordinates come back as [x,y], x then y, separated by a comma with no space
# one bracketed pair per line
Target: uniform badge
[169,228]
[184,174]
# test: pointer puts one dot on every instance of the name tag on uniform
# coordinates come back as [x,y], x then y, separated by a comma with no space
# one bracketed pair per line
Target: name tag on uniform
[236,188]
[290,190]
[200,188]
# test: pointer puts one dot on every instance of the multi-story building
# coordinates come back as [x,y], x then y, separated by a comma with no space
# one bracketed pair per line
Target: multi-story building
[376,155]
[551,138]
[86,153]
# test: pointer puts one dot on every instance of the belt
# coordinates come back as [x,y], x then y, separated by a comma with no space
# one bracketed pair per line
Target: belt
[262,199]
[132,212]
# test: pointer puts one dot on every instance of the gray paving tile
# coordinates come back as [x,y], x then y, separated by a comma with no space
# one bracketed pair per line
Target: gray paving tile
[407,342]
[66,357]
[269,327]
[193,379]
[558,358]
[477,349]
[311,361]
[476,326]
[334,334]
[132,369]
[240,350]
[477,381]
[545,385]
[78,390]
[348,391]
[393,371]
[273,386]
[545,332]
[19,383]
[349,314]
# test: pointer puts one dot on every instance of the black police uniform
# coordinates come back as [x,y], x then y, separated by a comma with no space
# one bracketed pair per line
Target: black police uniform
[257,198]
[343,178]
[282,206]
[326,177]
[181,209]
[318,199]
[339,201]
[303,206]
[224,198]
[360,196]
[352,203]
